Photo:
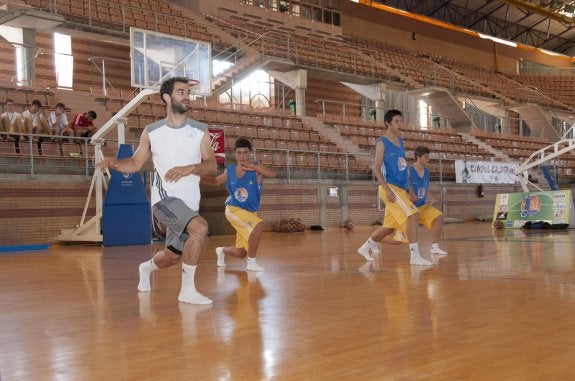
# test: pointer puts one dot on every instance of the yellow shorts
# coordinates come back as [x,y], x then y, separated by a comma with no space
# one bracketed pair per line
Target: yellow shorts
[427,216]
[244,222]
[396,212]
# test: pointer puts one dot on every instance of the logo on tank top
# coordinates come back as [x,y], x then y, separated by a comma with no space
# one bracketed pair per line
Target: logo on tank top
[421,193]
[401,164]
[241,194]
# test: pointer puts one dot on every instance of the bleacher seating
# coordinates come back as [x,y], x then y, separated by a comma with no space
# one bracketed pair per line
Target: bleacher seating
[445,143]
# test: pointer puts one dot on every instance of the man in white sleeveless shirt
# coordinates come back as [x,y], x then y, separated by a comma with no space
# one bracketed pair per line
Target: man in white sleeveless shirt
[181,152]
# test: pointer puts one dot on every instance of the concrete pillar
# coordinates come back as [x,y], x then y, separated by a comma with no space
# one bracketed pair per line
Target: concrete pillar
[28,52]
[342,192]
[24,41]
[296,79]
[380,102]
[300,101]
[375,92]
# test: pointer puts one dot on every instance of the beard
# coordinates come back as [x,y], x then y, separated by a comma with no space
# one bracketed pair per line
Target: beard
[179,108]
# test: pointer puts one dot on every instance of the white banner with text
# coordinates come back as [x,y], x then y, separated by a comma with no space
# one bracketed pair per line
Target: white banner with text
[485,172]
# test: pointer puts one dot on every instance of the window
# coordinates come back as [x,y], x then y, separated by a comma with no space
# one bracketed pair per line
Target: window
[317,14]
[284,6]
[423,113]
[306,12]
[327,16]
[63,60]
[336,21]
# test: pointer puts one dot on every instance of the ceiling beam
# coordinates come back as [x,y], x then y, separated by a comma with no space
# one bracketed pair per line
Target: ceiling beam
[539,10]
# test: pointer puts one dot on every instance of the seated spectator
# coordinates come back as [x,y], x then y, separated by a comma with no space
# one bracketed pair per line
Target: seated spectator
[83,125]
[34,120]
[58,121]
[11,121]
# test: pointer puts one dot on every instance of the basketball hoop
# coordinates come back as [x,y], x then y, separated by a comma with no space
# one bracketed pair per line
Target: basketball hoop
[194,88]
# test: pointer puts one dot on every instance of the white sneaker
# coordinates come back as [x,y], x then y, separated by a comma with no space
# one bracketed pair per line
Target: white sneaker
[220,254]
[438,251]
[420,261]
[375,249]
[364,252]
[253,266]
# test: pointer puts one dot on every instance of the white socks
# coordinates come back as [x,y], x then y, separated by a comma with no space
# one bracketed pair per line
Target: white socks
[220,254]
[188,292]
[252,265]
[373,246]
[365,249]
[416,259]
[146,269]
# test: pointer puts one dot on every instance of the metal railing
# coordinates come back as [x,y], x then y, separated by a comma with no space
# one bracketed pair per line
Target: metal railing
[105,83]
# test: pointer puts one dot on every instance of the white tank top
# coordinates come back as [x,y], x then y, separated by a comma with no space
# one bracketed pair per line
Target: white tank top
[176,147]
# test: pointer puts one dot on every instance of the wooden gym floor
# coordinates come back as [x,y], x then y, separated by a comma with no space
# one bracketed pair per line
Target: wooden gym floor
[500,306]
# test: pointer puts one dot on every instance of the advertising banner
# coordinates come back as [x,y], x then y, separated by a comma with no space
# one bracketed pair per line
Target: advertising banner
[217,140]
[513,210]
[485,172]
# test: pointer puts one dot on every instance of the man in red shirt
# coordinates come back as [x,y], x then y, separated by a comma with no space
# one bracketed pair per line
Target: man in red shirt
[83,124]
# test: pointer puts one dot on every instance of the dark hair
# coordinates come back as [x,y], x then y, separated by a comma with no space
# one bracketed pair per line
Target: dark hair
[8,100]
[420,151]
[243,143]
[92,114]
[168,86]
[60,104]
[390,114]
[37,103]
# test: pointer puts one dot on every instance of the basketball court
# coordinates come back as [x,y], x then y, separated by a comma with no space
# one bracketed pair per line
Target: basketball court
[498,307]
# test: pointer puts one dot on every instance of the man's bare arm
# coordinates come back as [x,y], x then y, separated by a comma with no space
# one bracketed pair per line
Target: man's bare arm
[130,164]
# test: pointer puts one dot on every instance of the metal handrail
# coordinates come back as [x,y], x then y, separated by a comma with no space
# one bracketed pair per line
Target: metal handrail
[103,71]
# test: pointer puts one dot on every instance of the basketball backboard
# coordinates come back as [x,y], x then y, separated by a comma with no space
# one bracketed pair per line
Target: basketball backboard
[157,56]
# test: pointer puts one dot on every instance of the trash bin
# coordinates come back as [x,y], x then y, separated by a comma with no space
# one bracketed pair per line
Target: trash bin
[292,105]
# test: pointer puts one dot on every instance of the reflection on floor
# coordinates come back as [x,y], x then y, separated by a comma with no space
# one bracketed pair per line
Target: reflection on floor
[499,306]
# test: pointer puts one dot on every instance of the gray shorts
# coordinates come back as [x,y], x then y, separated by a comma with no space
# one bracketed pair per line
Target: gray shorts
[175,215]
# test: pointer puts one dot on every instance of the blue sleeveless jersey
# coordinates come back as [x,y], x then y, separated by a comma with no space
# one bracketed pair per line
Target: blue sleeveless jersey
[245,191]
[394,166]
[420,185]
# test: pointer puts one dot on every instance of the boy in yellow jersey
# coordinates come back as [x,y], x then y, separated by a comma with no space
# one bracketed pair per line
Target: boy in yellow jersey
[391,172]
[243,182]
[429,216]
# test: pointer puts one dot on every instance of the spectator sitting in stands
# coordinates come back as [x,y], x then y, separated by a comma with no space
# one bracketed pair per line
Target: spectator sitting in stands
[83,125]
[58,121]
[11,121]
[34,120]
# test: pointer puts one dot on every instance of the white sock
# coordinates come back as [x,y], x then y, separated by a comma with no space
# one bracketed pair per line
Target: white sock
[252,265]
[365,249]
[221,256]
[434,246]
[188,292]
[146,269]
[371,242]
[414,249]
[416,258]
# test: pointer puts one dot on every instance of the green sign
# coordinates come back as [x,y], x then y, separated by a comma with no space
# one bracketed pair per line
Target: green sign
[513,210]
